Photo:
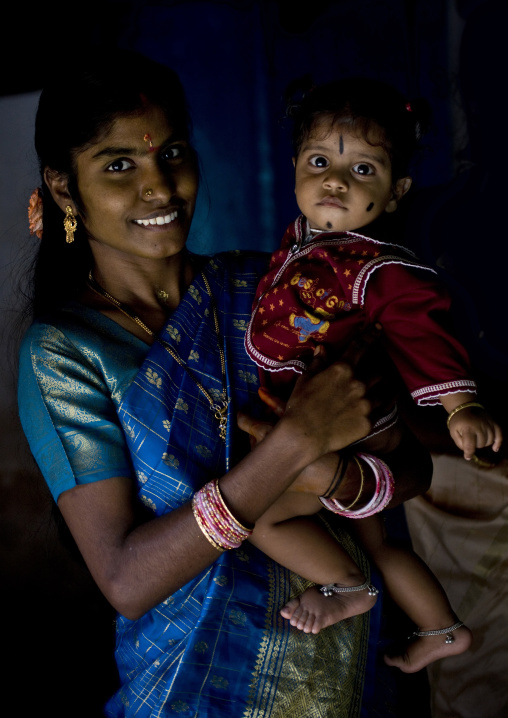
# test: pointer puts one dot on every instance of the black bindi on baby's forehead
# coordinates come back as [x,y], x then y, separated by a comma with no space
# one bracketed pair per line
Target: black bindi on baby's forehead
[371,205]
[341,145]
[329,225]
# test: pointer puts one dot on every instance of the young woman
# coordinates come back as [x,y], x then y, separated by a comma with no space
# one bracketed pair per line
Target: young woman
[131,377]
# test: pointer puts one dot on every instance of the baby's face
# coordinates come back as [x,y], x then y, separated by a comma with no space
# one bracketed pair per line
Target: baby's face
[343,182]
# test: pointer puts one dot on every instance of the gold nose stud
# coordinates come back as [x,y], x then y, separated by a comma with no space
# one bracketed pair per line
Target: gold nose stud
[148,192]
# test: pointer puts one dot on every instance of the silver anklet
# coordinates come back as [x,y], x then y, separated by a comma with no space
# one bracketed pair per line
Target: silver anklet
[331,588]
[449,638]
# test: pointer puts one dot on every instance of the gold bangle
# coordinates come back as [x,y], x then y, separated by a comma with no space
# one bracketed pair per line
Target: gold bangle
[466,405]
[362,477]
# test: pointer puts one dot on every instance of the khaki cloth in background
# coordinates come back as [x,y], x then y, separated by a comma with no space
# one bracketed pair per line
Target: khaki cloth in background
[460,528]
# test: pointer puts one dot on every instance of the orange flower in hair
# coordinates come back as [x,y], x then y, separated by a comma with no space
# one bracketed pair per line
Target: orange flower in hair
[35,213]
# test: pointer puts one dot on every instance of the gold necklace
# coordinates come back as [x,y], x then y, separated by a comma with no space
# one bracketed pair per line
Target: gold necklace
[220,407]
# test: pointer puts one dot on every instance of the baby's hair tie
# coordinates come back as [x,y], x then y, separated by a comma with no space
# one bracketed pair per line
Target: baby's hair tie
[293,109]
[418,130]
[296,93]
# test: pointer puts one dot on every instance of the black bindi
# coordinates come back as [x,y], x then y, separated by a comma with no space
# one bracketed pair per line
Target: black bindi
[371,205]
[341,145]
[329,225]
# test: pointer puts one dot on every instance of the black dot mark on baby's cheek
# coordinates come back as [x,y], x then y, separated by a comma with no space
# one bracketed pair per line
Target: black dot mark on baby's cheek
[341,144]
[329,225]
[371,205]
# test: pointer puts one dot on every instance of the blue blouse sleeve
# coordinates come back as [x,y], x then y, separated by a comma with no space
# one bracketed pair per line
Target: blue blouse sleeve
[67,412]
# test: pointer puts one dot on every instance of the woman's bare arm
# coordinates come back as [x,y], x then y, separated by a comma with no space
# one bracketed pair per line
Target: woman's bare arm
[136,565]
[408,459]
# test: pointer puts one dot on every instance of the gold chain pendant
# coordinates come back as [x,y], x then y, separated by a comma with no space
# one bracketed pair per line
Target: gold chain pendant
[221,414]
[220,410]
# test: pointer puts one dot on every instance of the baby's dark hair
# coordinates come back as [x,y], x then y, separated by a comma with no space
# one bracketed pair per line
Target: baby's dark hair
[365,105]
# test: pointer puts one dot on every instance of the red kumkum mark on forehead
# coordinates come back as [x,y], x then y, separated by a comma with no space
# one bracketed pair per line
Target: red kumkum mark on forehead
[148,139]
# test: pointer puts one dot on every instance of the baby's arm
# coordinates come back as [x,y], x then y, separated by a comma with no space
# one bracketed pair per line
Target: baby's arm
[469,424]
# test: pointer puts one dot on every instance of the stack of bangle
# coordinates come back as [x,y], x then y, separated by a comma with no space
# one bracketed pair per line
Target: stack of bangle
[382,496]
[215,520]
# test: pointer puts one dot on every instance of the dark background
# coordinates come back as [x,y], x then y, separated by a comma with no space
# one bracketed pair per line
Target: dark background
[235,60]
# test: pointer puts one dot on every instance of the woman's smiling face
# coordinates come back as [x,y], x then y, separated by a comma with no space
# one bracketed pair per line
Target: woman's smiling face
[137,188]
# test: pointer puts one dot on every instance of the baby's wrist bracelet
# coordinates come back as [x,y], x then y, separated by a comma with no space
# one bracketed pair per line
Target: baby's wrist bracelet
[466,405]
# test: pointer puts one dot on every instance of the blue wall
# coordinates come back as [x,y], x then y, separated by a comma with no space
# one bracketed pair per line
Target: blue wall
[236,59]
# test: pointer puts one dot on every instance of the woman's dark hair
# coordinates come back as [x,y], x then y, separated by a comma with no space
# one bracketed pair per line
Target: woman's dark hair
[76,108]
[365,105]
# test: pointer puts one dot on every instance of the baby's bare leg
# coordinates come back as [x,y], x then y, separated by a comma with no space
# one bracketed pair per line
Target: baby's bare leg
[289,535]
[417,591]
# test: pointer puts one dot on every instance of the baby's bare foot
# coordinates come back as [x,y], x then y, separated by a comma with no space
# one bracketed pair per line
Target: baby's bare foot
[312,610]
[424,650]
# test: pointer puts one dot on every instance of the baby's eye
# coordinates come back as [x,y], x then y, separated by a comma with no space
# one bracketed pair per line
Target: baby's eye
[362,168]
[319,161]
[119,166]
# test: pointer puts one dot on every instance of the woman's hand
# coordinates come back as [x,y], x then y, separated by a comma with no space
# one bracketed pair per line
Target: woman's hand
[328,402]
[316,478]
[408,459]
[323,388]
[326,396]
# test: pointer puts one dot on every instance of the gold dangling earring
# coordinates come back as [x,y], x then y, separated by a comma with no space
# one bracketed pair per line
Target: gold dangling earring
[70,224]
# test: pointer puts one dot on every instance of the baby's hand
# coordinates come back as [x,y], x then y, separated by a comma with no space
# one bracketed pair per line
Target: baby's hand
[472,428]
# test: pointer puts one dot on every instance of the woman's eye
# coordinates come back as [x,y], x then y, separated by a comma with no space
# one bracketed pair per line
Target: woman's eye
[174,152]
[319,161]
[119,166]
[363,169]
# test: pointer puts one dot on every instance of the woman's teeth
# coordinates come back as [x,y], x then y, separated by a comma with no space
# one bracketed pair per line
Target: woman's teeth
[158,220]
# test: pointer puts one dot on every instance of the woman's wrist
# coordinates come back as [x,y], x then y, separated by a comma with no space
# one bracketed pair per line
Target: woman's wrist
[411,465]
[274,464]
[347,492]
[379,498]
[216,522]
[338,476]
[302,443]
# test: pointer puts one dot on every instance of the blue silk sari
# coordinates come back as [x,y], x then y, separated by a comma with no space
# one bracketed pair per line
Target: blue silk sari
[218,646]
